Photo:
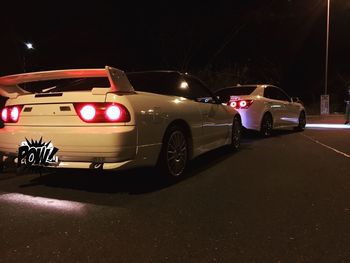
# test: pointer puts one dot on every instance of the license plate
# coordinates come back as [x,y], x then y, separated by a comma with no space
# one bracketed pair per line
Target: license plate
[37,153]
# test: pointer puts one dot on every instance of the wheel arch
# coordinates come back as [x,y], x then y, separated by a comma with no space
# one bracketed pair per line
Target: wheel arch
[238,116]
[266,113]
[301,126]
[265,127]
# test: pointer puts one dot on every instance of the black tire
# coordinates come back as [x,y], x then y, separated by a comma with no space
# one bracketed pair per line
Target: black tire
[236,134]
[21,170]
[266,125]
[1,163]
[173,157]
[301,122]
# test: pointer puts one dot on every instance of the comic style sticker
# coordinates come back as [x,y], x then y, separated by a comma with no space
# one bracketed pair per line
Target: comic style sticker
[37,153]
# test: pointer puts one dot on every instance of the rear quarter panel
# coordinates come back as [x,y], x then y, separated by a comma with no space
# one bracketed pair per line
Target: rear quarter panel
[154,112]
[251,117]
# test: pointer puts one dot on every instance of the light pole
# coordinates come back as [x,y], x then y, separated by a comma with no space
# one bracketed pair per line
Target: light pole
[325,97]
[327,44]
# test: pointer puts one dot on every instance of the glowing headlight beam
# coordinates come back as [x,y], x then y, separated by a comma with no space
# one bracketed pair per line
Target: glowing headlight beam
[328,126]
[43,203]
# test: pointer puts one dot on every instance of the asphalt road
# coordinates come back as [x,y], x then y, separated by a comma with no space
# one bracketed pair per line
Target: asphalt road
[279,199]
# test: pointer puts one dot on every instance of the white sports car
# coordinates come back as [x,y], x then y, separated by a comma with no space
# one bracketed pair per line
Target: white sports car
[264,107]
[107,119]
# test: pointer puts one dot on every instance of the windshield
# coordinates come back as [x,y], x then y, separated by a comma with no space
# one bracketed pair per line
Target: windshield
[166,83]
[156,82]
[225,94]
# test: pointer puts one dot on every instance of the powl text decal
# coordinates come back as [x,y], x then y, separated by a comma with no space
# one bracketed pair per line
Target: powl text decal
[37,153]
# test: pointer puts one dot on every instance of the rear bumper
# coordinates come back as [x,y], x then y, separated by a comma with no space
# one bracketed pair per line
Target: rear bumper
[78,147]
[11,160]
[250,119]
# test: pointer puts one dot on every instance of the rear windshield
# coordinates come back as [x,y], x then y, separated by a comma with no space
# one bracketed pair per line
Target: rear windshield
[166,83]
[234,91]
[60,85]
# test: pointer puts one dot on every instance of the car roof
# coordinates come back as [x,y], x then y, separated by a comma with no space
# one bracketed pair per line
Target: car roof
[154,71]
[259,87]
[162,72]
[251,85]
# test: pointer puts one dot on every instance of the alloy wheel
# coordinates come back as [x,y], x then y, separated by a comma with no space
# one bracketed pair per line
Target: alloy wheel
[266,125]
[236,134]
[176,153]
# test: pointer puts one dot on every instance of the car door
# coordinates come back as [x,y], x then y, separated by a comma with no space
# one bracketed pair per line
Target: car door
[291,111]
[216,118]
[274,105]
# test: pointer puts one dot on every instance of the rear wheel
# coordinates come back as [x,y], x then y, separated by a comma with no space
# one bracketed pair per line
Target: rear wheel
[1,163]
[266,125]
[236,134]
[302,122]
[174,154]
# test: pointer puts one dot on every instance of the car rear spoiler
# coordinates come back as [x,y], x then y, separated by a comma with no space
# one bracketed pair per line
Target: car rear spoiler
[117,78]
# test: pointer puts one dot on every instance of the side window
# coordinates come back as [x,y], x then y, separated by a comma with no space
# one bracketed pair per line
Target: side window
[282,95]
[156,82]
[268,93]
[275,94]
[197,91]
[225,95]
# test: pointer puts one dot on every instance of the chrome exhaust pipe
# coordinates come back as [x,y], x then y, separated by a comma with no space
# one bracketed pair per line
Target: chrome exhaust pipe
[96,166]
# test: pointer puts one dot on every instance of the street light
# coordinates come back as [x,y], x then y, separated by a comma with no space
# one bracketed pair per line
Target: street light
[325,97]
[28,46]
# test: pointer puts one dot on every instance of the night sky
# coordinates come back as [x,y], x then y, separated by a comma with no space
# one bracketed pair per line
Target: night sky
[278,41]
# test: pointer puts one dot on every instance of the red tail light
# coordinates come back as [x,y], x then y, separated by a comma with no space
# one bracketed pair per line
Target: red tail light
[241,104]
[11,114]
[233,104]
[87,112]
[4,114]
[113,112]
[102,112]
[14,115]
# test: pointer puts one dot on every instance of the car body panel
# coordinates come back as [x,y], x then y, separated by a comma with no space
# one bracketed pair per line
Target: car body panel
[285,113]
[52,118]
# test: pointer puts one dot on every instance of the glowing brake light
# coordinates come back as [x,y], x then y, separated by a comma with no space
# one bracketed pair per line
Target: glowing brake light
[11,114]
[102,112]
[240,104]
[14,115]
[113,112]
[87,112]
[4,116]
[233,104]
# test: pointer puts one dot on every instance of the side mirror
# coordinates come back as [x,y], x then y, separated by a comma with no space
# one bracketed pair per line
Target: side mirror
[219,100]
[296,99]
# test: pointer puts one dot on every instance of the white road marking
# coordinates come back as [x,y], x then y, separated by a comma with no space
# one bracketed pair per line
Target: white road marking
[327,146]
